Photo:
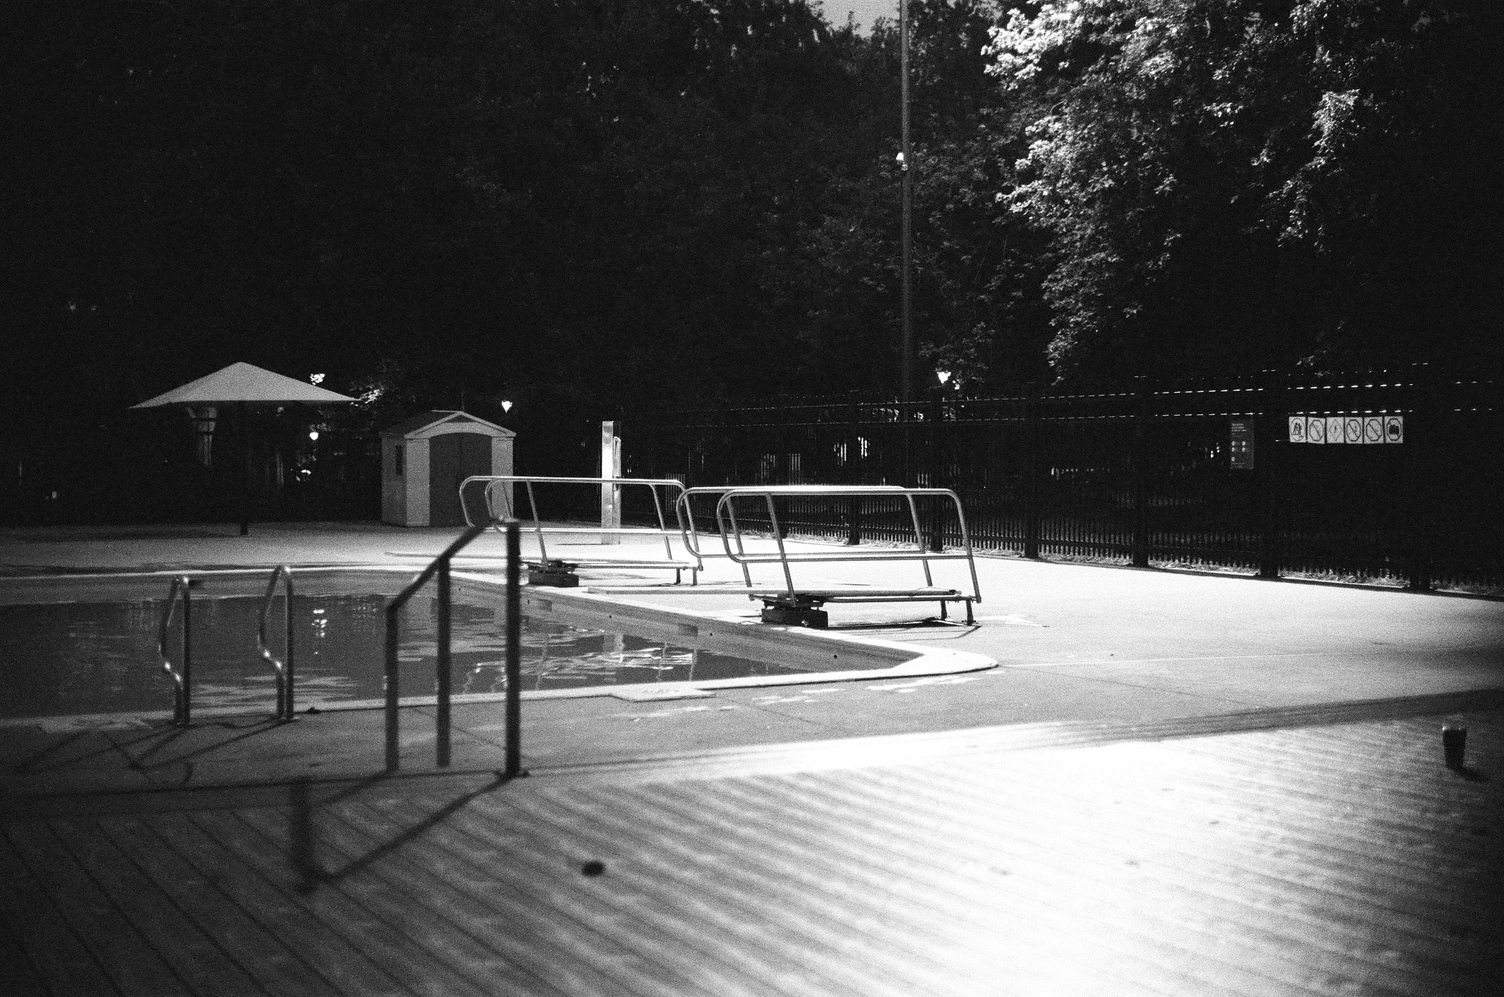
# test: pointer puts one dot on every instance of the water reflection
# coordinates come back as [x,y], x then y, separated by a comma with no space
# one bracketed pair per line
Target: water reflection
[102,657]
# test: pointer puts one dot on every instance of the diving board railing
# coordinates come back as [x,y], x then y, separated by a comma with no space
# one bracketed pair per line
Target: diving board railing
[497,495]
[182,673]
[282,667]
[439,568]
[794,603]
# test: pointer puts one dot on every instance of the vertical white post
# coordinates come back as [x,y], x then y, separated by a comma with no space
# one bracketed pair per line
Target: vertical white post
[610,468]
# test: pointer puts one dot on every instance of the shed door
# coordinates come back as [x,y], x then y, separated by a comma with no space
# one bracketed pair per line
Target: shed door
[452,458]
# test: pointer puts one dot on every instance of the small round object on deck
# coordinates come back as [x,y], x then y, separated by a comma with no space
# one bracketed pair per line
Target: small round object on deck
[1454,744]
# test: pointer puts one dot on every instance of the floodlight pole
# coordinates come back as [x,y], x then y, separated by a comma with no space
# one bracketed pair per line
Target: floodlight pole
[906,392]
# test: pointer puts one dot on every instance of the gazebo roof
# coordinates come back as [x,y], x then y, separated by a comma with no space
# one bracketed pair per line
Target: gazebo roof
[243,382]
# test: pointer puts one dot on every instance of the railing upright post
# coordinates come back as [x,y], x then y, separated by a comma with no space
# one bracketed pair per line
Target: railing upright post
[187,652]
[514,654]
[443,665]
[291,684]
[392,683]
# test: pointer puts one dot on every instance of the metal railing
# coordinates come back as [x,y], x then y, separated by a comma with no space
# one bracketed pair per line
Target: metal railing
[797,601]
[500,509]
[440,567]
[182,677]
[283,668]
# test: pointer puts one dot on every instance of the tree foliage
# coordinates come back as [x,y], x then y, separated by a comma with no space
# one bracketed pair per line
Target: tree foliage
[1231,184]
[589,205]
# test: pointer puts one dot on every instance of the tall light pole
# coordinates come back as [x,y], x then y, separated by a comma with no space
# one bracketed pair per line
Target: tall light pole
[906,385]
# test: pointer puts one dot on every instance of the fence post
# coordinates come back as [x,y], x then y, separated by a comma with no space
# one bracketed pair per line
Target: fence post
[1031,472]
[1269,450]
[1140,549]
[1419,432]
[853,474]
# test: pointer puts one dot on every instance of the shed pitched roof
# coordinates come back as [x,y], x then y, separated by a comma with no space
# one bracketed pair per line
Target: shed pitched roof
[418,423]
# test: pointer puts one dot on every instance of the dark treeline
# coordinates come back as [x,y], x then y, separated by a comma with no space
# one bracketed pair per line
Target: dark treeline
[585,206]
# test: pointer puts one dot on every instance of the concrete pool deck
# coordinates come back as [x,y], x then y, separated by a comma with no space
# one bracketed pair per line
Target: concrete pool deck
[1170,783]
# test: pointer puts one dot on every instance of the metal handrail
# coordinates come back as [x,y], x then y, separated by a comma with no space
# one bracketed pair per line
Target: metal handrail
[497,495]
[182,679]
[440,566]
[735,549]
[283,669]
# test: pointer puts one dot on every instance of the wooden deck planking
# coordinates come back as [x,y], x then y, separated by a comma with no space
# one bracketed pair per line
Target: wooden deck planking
[177,937]
[278,969]
[442,925]
[534,874]
[584,908]
[128,962]
[717,903]
[830,900]
[340,916]
[1314,861]
[50,948]
[287,926]
[927,851]
[1270,887]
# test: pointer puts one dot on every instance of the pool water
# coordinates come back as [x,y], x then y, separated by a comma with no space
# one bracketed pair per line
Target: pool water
[101,657]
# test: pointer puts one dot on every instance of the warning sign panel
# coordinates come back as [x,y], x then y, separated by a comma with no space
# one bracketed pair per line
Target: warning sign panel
[1347,429]
[1242,443]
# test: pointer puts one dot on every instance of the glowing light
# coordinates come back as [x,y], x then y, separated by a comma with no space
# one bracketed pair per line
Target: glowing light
[316,378]
[313,434]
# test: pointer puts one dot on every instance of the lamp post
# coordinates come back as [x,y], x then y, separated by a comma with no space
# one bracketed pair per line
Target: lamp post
[905,163]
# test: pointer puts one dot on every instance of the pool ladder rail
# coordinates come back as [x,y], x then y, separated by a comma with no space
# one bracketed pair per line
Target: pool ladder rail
[182,675]
[282,668]
[181,672]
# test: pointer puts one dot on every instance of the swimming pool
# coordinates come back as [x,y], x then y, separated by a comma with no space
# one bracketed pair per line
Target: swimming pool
[88,645]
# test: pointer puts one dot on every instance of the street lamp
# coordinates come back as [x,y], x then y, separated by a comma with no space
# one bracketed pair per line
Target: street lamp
[905,161]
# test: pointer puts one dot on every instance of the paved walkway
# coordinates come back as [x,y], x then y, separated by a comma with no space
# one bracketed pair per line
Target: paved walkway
[1171,784]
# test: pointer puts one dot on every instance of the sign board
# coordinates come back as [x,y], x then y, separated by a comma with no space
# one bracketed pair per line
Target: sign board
[1242,443]
[1349,429]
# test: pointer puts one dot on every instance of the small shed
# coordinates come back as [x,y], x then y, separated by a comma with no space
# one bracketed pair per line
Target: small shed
[424,459]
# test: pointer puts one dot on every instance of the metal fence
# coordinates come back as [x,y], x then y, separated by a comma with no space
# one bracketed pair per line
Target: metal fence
[1215,475]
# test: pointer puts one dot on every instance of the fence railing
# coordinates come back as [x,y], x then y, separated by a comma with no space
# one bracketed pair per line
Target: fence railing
[1213,474]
